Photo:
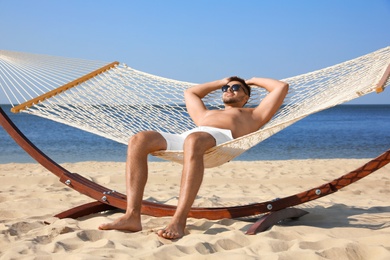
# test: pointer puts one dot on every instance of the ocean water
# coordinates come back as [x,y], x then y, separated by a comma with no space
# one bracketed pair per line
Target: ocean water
[346,131]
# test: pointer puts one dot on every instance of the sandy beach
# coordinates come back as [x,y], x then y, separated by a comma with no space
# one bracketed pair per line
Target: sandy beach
[353,223]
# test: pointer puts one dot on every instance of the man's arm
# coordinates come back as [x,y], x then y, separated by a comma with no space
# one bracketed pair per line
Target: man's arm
[274,99]
[193,97]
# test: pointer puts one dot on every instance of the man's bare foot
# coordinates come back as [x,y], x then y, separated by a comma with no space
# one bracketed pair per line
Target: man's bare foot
[128,223]
[172,231]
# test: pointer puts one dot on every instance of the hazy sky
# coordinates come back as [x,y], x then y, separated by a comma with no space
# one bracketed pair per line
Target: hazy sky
[199,41]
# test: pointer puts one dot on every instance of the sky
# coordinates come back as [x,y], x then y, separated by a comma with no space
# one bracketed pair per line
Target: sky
[200,41]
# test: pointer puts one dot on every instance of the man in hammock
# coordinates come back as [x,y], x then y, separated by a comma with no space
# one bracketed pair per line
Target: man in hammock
[214,127]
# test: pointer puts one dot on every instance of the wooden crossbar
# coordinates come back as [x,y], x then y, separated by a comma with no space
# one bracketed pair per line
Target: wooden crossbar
[54,92]
[381,84]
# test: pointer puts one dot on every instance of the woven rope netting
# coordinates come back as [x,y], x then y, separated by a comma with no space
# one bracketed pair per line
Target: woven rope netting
[119,101]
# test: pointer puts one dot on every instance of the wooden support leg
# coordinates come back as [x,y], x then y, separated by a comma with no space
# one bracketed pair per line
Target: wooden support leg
[272,218]
[85,209]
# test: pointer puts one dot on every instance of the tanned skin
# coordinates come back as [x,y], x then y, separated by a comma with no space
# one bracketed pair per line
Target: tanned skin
[234,116]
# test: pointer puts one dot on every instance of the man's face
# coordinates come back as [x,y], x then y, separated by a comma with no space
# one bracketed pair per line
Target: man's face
[235,93]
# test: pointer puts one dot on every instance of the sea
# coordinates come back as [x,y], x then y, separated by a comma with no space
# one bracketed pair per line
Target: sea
[344,131]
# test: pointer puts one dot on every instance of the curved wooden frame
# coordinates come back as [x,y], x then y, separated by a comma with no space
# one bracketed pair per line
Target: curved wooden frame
[107,199]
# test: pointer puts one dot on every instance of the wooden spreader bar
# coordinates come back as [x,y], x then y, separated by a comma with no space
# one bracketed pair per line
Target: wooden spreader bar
[381,84]
[107,199]
[63,88]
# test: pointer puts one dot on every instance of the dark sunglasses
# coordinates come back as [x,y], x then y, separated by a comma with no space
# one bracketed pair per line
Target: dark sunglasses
[235,87]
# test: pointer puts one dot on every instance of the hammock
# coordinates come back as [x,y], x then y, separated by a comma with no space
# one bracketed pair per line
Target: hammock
[115,101]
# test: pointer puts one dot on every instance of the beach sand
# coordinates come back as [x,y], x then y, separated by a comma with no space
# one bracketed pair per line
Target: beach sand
[353,223]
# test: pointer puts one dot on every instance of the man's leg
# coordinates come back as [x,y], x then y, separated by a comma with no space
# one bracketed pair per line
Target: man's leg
[140,145]
[195,145]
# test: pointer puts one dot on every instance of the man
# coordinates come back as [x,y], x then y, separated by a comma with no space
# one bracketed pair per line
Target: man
[214,127]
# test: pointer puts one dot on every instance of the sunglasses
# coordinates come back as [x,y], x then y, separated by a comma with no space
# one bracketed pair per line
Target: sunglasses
[235,87]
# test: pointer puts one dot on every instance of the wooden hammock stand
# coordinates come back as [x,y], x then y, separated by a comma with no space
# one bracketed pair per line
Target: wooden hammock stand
[106,199]
[273,211]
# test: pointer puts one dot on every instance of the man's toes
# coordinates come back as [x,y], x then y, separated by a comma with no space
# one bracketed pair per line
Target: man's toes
[104,226]
[168,234]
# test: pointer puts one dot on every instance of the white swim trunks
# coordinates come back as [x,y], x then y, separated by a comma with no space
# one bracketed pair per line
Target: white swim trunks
[175,142]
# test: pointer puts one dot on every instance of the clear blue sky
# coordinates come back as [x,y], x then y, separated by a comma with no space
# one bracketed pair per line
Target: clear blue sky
[199,41]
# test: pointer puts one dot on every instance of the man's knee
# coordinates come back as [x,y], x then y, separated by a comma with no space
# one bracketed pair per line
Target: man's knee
[199,142]
[147,140]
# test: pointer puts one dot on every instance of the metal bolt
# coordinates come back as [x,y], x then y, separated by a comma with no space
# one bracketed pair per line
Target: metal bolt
[67,182]
[104,198]
[318,192]
[269,206]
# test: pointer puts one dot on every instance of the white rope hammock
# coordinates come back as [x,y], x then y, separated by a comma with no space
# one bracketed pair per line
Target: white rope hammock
[117,101]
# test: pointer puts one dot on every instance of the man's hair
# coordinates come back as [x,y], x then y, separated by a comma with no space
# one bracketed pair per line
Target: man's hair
[242,81]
